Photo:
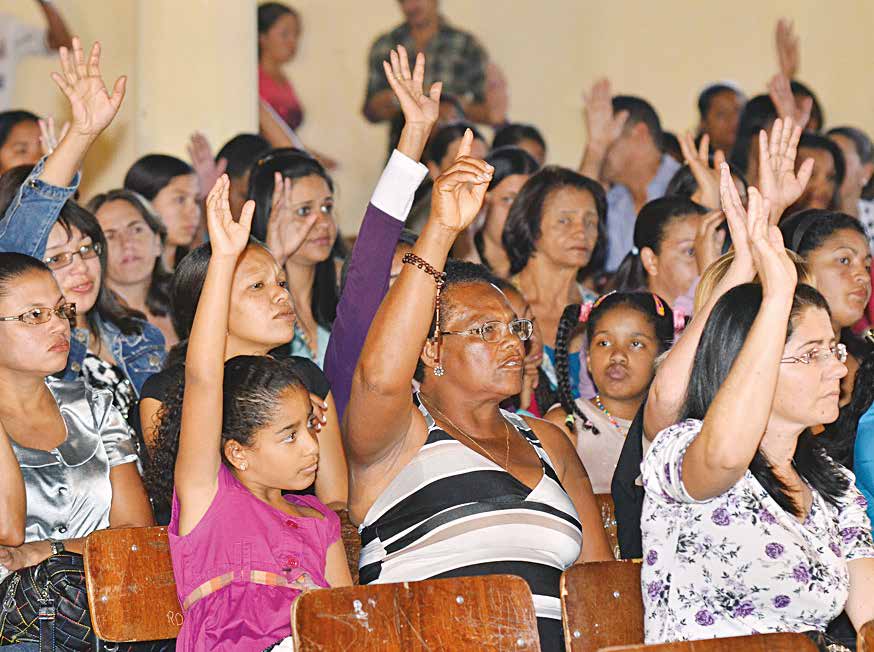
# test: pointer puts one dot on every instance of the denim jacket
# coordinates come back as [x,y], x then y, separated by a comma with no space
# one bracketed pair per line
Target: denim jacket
[25,228]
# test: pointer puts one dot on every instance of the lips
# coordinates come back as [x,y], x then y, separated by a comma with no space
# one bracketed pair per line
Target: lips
[860,295]
[311,469]
[285,315]
[513,362]
[83,288]
[320,242]
[61,346]
[127,260]
[616,372]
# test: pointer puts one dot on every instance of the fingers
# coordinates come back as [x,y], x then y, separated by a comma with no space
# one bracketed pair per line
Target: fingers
[806,108]
[703,148]
[419,71]
[718,159]
[246,214]
[804,173]
[466,142]
[436,90]
[764,154]
[67,67]
[687,146]
[730,199]
[118,91]
[62,84]
[221,166]
[93,69]
[79,58]
[395,63]
[277,190]
[405,63]
[471,164]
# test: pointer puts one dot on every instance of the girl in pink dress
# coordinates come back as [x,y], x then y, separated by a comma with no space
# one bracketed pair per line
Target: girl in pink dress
[242,552]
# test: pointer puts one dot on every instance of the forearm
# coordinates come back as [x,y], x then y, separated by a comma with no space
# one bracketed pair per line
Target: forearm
[58,35]
[273,132]
[593,161]
[204,362]
[413,140]
[381,106]
[63,163]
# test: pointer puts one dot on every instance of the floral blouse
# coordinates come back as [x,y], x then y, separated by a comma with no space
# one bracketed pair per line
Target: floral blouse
[739,564]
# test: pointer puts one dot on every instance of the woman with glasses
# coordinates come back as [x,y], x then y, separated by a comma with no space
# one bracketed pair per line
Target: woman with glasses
[135,237]
[112,346]
[748,526]
[443,482]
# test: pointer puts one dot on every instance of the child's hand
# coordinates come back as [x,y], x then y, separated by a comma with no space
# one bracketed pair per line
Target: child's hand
[227,237]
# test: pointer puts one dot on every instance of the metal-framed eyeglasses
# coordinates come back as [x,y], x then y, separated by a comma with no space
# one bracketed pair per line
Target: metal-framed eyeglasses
[61,260]
[41,314]
[494,331]
[819,356]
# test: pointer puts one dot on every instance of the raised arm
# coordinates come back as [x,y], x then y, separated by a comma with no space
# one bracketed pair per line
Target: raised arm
[736,420]
[779,183]
[57,33]
[380,407]
[784,101]
[370,264]
[199,456]
[13,505]
[602,127]
[706,175]
[788,52]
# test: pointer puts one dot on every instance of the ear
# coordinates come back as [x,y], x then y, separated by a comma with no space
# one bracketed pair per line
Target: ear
[867,172]
[640,131]
[429,354]
[433,169]
[650,261]
[159,247]
[235,454]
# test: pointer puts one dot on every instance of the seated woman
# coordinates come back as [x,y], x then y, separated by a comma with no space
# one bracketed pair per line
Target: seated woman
[247,433]
[554,230]
[112,347]
[513,167]
[748,526]
[172,187]
[72,450]
[135,238]
[626,332]
[467,460]
[19,139]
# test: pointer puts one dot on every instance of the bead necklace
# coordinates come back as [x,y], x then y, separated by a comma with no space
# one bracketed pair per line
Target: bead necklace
[610,417]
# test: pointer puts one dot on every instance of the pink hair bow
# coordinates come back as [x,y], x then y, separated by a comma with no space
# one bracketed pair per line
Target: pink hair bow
[679,321]
[586,310]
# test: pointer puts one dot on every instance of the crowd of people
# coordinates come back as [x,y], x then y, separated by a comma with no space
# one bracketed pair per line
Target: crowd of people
[681,322]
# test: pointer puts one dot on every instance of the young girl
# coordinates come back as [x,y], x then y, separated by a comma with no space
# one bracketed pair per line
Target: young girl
[241,551]
[626,332]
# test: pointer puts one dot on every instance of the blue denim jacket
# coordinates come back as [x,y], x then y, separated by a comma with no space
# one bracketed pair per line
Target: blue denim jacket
[25,228]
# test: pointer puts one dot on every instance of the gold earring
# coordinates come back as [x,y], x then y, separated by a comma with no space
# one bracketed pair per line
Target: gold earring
[243,466]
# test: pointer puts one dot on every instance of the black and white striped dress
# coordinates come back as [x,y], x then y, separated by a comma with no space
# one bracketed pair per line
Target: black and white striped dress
[453,512]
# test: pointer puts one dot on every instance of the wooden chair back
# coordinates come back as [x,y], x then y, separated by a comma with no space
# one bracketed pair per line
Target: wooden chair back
[865,641]
[486,613]
[608,518]
[601,605]
[758,643]
[131,588]
[351,542]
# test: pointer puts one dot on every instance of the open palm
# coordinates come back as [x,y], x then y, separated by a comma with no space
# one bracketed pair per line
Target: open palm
[227,237]
[459,192]
[92,106]
[415,105]
[779,182]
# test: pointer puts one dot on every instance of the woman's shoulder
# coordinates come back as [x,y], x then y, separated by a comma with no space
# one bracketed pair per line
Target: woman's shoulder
[157,385]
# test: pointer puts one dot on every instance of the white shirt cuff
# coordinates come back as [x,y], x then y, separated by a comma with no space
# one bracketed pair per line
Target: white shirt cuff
[397,186]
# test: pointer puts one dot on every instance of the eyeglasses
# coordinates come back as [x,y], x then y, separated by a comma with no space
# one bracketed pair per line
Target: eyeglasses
[41,315]
[838,351]
[86,252]
[493,331]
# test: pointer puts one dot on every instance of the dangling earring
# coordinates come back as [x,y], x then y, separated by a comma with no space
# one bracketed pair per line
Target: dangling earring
[439,371]
[244,466]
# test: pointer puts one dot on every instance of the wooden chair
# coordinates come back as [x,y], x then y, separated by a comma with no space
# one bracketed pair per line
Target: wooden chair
[865,642]
[351,542]
[757,643]
[131,589]
[486,613]
[608,518]
[601,605]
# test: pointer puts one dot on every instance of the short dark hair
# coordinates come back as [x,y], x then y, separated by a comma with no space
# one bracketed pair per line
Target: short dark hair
[816,112]
[270,12]
[151,173]
[861,142]
[758,113]
[522,230]
[445,136]
[705,99]
[10,119]
[14,265]
[724,336]
[515,132]
[806,231]
[639,110]
[241,152]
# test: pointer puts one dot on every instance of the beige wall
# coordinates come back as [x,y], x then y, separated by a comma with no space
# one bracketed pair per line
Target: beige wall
[550,50]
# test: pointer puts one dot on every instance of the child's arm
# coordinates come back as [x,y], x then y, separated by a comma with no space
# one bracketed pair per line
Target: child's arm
[199,456]
[336,567]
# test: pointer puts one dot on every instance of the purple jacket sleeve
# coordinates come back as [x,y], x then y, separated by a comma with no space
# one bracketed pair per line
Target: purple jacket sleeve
[366,285]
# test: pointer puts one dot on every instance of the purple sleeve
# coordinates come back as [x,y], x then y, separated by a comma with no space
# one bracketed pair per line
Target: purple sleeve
[366,285]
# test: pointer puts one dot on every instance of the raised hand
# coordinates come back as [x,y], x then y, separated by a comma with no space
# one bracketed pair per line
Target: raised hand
[602,127]
[286,232]
[706,175]
[48,137]
[788,56]
[736,216]
[787,107]
[203,161]
[780,185]
[709,239]
[227,237]
[92,106]
[459,192]
[417,107]
[776,270]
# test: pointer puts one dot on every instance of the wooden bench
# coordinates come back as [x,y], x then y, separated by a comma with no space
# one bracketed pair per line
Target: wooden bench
[757,643]
[865,641]
[351,542]
[601,605]
[608,518]
[131,589]
[486,614]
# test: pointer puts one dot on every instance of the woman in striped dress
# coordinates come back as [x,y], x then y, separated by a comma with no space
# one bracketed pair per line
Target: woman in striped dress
[444,483]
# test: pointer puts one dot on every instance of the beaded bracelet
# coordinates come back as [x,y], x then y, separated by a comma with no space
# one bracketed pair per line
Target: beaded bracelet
[440,280]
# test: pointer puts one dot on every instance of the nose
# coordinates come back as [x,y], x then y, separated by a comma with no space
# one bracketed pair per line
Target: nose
[280,294]
[77,264]
[618,354]
[192,211]
[309,444]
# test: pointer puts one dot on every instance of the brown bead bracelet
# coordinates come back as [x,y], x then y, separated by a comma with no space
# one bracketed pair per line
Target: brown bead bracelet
[440,280]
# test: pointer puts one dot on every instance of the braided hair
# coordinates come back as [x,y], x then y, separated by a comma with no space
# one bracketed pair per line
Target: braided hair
[651,306]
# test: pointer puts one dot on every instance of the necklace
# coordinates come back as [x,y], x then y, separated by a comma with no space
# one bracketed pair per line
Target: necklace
[610,417]
[431,408]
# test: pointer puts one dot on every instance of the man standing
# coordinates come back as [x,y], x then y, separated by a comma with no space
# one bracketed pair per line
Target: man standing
[18,40]
[454,57]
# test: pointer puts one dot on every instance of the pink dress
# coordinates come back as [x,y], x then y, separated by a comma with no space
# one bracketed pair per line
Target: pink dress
[282,97]
[246,542]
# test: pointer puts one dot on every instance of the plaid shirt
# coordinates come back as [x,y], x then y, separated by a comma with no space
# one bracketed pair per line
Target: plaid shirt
[454,57]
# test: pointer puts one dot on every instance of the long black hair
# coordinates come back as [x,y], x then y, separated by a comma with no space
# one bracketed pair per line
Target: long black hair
[294,163]
[513,133]
[14,265]
[650,229]
[839,437]
[158,297]
[723,338]
[655,309]
[522,230]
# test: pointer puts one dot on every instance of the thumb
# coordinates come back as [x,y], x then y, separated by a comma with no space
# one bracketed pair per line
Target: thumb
[118,92]
[246,215]
[804,172]
[436,89]
[221,166]
[466,142]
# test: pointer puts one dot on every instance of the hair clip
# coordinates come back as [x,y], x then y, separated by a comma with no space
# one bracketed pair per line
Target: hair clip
[679,321]
[585,311]
[635,251]
[659,306]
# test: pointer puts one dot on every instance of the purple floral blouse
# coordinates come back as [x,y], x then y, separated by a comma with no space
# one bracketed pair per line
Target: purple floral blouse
[739,564]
